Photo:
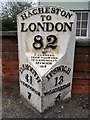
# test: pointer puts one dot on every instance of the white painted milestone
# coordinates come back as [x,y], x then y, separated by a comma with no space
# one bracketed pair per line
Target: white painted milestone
[46,41]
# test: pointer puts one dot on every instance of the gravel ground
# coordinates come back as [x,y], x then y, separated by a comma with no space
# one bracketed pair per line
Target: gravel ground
[0,105]
[14,106]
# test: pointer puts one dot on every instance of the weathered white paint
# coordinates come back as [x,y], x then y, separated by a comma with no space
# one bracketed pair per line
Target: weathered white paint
[42,84]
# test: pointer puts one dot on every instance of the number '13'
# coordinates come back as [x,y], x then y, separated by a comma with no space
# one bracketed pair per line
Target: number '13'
[58,80]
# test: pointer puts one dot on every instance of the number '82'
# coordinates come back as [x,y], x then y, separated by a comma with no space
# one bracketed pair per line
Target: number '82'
[38,42]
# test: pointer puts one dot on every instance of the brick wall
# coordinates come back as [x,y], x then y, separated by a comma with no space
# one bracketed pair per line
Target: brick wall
[81,77]
[10,64]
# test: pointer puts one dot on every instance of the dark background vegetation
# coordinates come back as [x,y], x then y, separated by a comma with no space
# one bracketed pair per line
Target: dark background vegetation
[10,10]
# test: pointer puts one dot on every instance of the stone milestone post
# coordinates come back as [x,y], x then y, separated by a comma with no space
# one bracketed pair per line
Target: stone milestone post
[46,41]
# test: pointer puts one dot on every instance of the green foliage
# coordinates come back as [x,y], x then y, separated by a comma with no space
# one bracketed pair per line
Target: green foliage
[9,12]
[8,24]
